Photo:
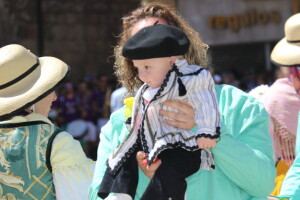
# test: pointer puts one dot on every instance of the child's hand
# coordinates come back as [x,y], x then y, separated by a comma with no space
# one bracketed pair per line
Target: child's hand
[148,170]
[204,143]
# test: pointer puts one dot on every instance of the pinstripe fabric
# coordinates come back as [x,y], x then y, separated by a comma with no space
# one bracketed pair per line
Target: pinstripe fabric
[157,136]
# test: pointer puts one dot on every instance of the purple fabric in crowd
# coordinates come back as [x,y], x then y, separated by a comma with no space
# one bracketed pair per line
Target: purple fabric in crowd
[69,108]
[85,102]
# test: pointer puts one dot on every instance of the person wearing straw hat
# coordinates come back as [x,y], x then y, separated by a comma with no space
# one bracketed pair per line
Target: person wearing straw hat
[285,106]
[37,159]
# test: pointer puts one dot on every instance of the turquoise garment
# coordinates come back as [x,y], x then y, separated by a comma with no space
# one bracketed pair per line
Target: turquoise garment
[23,171]
[291,184]
[244,165]
[297,148]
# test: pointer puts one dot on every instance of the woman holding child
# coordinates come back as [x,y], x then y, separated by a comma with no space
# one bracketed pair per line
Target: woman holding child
[244,168]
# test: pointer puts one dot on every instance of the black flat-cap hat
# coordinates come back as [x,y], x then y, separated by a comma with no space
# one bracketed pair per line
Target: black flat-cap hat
[156,41]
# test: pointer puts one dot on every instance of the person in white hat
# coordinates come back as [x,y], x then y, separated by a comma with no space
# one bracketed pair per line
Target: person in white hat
[282,101]
[37,159]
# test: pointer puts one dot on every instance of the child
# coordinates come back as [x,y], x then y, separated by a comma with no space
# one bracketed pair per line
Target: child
[157,53]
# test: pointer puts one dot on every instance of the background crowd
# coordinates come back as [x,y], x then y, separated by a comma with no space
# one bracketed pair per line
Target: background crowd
[83,107]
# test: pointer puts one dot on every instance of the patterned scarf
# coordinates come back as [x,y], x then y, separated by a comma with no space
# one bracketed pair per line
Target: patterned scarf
[283,105]
[294,78]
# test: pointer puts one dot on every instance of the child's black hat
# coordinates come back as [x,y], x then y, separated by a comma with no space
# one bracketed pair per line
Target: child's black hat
[156,41]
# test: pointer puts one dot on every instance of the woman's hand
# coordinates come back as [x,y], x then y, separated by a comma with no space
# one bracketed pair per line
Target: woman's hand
[183,120]
[148,170]
[204,143]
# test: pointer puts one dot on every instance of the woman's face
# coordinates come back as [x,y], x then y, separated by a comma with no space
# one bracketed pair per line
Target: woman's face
[151,63]
[146,22]
[43,106]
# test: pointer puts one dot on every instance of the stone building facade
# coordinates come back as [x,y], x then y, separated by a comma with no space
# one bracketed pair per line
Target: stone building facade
[81,33]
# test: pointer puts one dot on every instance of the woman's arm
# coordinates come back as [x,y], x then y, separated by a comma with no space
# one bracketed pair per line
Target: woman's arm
[112,134]
[72,170]
[104,150]
[248,168]
[244,152]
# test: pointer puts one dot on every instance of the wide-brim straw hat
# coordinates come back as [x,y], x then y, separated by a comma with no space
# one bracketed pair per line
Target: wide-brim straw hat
[26,78]
[287,51]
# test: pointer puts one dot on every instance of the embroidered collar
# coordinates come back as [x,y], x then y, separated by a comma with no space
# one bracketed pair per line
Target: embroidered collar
[181,62]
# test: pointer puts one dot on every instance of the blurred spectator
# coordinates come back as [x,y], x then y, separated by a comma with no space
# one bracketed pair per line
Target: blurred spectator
[84,99]
[69,108]
[218,79]
[73,110]
[230,79]
[89,132]
[101,99]
[86,132]
[250,80]
[117,98]
[265,78]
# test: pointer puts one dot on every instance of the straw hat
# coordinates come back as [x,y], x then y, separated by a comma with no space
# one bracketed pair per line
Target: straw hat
[287,51]
[26,78]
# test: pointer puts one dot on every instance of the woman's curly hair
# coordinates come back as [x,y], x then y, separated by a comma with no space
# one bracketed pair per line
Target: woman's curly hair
[126,73]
